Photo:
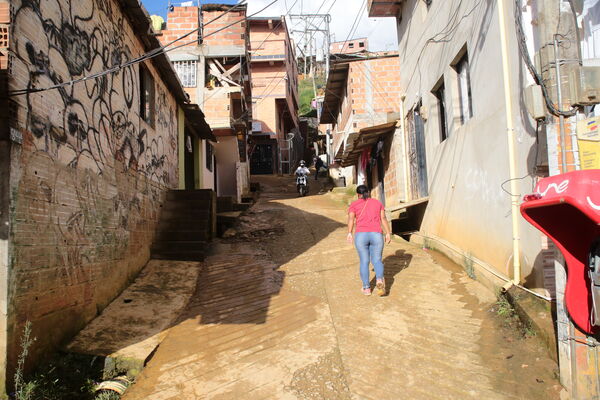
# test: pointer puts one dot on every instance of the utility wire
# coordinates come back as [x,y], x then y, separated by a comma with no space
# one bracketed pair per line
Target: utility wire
[151,54]
[259,46]
[527,59]
[353,28]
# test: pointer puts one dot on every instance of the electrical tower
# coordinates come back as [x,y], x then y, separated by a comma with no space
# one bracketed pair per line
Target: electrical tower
[312,25]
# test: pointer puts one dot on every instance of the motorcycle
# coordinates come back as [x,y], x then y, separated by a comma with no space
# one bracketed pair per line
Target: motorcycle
[301,184]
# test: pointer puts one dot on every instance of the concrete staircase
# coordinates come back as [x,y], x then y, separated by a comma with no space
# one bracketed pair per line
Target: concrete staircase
[187,223]
[228,212]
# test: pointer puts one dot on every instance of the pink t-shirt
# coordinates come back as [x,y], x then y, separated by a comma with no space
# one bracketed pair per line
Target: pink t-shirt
[369,219]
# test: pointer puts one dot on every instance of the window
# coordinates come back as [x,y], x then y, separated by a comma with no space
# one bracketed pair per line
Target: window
[440,95]
[146,95]
[209,156]
[351,45]
[186,70]
[361,44]
[464,88]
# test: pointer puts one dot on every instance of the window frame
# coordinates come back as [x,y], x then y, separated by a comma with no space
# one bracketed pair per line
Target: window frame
[192,68]
[462,69]
[147,95]
[439,92]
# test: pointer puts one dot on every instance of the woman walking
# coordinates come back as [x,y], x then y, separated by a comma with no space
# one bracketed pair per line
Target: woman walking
[370,217]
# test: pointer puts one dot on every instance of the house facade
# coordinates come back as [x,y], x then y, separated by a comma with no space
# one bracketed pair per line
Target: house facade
[352,46]
[457,160]
[212,63]
[276,143]
[84,163]
[360,112]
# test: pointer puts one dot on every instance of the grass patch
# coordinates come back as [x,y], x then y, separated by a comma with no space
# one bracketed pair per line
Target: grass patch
[65,376]
[510,319]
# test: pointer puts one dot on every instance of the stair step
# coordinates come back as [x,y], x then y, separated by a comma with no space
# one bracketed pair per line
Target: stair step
[186,205]
[179,245]
[189,195]
[179,255]
[230,216]
[241,206]
[184,224]
[224,204]
[182,236]
[182,213]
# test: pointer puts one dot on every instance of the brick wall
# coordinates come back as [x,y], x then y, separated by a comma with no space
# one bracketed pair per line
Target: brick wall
[391,181]
[90,175]
[235,35]
[181,21]
[217,107]
[374,89]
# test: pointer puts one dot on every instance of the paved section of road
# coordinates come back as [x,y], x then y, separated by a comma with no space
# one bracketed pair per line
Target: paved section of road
[278,314]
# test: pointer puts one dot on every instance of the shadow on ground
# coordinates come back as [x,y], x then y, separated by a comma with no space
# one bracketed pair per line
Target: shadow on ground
[239,278]
[393,265]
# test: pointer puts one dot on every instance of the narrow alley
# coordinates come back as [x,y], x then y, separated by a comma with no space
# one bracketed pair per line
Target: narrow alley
[284,318]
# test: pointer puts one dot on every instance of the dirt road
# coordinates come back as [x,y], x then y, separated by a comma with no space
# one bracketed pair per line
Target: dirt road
[278,314]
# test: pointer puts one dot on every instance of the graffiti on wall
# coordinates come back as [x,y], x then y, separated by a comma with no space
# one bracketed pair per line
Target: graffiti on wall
[94,123]
[93,165]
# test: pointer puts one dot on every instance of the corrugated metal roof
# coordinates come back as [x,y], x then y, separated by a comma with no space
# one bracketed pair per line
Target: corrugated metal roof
[363,139]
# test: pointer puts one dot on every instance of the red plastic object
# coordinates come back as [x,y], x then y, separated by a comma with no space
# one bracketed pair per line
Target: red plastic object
[566,208]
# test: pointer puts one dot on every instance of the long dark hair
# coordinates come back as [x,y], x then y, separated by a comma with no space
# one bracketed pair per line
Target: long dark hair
[363,191]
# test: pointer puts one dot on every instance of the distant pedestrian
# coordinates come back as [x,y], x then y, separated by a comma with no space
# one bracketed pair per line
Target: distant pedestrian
[318,165]
[369,215]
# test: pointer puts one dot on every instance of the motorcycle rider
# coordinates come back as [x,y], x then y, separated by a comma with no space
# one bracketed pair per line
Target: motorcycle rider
[302,170]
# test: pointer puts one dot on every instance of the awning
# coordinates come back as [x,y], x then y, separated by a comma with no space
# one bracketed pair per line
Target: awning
[363,139]
[194,119]
[336,82]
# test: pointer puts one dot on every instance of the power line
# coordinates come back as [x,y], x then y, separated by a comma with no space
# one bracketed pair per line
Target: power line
[151,54]
[264,95]
[360,11]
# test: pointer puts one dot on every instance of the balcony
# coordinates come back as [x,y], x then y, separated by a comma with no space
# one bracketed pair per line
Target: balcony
[385,8]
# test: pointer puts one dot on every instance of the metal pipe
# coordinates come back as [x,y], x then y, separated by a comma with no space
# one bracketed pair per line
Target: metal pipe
[510,134]
[561,118]
[404,152]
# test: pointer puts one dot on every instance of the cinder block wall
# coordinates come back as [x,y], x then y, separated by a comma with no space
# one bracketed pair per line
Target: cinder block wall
[89,176]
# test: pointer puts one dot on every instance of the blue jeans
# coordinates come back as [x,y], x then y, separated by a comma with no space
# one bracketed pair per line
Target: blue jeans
[370,248]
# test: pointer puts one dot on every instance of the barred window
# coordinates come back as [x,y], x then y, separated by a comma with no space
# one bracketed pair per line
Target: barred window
[186,70]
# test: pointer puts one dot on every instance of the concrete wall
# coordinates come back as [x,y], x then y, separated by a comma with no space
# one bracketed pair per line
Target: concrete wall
[90,175]
[468,205]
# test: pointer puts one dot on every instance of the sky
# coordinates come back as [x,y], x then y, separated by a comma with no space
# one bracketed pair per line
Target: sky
[381,32]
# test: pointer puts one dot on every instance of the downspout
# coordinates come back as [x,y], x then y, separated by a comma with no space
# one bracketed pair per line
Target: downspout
[404,152]
[510,135]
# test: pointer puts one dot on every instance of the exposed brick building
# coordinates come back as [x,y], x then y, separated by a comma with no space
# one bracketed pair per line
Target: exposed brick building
[274,73]
[361,107]
[213,67]
[84,168]
[359,45]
